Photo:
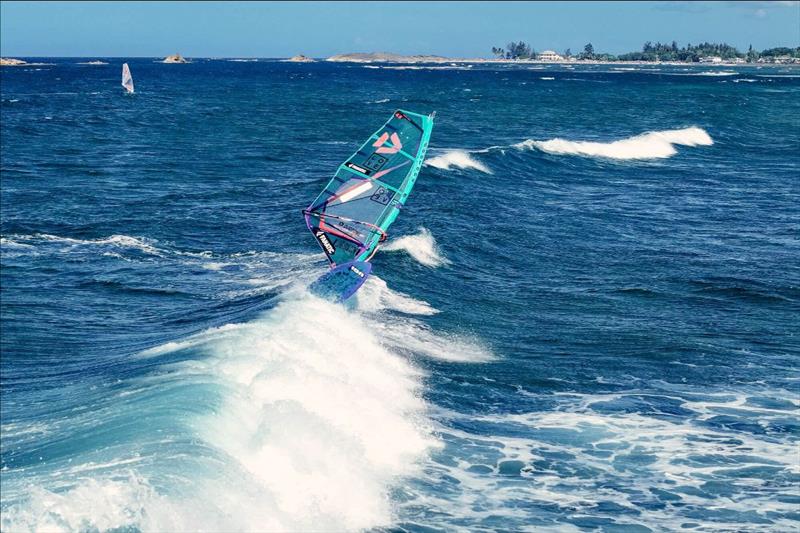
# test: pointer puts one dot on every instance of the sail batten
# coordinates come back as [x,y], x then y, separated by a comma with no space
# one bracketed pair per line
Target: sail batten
[350,216]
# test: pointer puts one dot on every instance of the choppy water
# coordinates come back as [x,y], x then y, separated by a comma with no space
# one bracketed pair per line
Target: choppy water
[586,318]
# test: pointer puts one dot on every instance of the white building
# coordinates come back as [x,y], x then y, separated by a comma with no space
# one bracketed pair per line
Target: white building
[549,55]
[711,59]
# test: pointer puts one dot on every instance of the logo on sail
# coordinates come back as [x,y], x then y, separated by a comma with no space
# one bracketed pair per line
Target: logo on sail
[397,145]
[326,244]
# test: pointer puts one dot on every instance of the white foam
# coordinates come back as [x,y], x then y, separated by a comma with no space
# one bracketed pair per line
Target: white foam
[417,338]
[195,340]
[381,101]
[457,159]
[375,296]
[716,73]
[121,241]
[214,265]
[321,416]
[10,243]
[105,504]
[417,67]
[547,78]
[703,73]
[421,246]
[576,456]
[651,145]
[318,417]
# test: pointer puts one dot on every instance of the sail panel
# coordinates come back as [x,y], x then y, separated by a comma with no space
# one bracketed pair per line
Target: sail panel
[350,216]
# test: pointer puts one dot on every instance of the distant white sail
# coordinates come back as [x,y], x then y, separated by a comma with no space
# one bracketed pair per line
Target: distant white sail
[127,79]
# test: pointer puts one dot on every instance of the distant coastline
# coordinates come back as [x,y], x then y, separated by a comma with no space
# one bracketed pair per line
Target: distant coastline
[384,57]
[388,58]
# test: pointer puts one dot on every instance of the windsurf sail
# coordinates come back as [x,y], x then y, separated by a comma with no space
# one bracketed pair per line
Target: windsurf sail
[350,216]
[127,79]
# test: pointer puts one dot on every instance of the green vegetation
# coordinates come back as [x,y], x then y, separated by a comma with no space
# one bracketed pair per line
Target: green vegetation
[781,51]
[708,52]
[520,50]
[689,53]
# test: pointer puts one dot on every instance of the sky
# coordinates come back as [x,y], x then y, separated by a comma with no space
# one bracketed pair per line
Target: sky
[321,29]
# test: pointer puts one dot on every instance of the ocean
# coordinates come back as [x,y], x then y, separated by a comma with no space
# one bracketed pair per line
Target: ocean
[585,318]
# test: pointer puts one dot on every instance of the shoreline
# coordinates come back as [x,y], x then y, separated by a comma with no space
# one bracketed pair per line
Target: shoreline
[486,61]
[420,60]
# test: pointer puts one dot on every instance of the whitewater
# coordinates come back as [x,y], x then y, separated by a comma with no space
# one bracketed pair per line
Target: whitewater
[650,145]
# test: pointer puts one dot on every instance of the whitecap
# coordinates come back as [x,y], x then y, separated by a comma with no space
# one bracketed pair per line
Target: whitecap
[457,159]
[651,145]
[376,296]
[421,246]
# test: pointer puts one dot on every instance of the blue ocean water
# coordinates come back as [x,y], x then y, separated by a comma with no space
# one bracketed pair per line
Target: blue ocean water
[585,319]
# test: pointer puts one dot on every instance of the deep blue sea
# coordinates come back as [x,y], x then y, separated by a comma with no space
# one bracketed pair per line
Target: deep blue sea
[587,317]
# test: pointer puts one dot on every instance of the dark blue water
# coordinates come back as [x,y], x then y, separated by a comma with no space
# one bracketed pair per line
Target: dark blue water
[586,317]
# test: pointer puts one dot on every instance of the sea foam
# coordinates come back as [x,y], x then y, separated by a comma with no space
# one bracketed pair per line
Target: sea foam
[316,413]
[421,246]
[316,418]
[592,449]
[650,145]
[457,159]
[376,296]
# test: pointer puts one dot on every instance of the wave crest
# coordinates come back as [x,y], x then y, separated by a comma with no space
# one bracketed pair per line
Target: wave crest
[421,246]
[650,145]
[457,159]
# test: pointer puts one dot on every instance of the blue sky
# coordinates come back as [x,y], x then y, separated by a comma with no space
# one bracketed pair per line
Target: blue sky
[280,29]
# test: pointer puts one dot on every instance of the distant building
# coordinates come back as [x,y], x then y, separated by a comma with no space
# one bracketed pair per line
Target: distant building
[549,55]
[785,60]
[711,59]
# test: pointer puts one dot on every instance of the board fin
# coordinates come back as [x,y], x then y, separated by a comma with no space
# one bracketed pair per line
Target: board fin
[340,283]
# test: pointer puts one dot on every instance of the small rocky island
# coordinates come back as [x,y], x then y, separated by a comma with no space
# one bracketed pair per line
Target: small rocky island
[10,62]
[175,58]
[299,59]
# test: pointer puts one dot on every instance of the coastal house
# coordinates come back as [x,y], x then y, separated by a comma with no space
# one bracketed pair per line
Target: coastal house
[549,55]
[711,59]
[785,60]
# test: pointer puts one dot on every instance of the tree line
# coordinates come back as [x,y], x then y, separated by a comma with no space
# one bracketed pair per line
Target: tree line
[654,52]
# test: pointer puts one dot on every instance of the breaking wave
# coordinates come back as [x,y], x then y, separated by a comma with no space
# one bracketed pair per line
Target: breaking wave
[280,427]
[376,296]
[651,145]
[421,246]
[457,159]
[304,433]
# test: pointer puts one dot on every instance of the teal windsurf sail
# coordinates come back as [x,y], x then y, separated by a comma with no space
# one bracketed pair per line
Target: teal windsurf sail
[350,216]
